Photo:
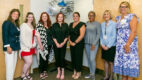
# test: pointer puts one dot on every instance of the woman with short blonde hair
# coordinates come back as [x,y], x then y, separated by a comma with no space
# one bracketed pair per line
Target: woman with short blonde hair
[108,42]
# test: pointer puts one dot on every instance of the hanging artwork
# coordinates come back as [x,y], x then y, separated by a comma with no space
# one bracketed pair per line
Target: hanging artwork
[64,6]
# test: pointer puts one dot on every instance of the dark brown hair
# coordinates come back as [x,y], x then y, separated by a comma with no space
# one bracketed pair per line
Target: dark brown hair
[58,16]
[77,13]
[48,19]
[33,23]
[17,22]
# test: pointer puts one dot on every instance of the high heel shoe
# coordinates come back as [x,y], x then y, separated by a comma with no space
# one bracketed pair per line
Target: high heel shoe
[78,75]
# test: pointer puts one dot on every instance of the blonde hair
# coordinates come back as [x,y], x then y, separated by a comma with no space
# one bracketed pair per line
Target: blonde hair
[107,11]
[127,4]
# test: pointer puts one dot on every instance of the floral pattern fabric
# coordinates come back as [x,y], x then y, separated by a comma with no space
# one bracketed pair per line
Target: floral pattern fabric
[126,63]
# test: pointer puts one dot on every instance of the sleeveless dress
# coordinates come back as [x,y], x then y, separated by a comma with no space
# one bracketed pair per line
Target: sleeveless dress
[32,50]
[126,63]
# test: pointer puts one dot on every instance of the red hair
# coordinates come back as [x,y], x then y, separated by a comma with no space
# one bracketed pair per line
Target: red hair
[48,19]
[58,16]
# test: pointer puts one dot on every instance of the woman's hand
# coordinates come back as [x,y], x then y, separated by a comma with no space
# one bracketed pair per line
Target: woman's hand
[92,47]
[104,47]
[41,47]
[127,48]
[58,45]
[9,49]
[71,43]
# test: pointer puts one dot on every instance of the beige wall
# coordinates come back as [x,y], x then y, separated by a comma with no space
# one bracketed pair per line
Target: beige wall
[5,7]
[101,5]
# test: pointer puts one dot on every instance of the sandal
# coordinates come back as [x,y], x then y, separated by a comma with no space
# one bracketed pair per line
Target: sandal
[42,76]
[45,74]
[29,77]
[24,78]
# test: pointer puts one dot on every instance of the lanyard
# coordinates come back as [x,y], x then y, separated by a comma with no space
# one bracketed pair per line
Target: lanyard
[105,30]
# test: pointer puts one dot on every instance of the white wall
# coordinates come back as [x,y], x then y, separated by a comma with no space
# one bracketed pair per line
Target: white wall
[82,6]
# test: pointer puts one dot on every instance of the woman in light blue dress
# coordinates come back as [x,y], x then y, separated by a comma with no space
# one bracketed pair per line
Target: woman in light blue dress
[126,60]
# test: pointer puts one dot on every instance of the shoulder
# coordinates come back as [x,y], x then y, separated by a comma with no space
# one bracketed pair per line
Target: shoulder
[54,24]
[70,25]
[39,25]
[112,22]
[103,23]
[65,24]
[7,22]
[81,24]
[97,23]
[133,15]
[117,17]
[22,26]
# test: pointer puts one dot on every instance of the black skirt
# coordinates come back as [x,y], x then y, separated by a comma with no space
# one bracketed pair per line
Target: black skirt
[109,54]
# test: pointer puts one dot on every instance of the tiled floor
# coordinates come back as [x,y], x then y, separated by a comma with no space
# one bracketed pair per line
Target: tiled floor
[68,74]
[52,75]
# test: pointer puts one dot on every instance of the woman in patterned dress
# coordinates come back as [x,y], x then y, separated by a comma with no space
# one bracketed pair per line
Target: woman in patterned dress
[126,60]
[44,29]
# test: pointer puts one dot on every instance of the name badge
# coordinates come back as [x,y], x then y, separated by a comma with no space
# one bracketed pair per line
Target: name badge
[105,37]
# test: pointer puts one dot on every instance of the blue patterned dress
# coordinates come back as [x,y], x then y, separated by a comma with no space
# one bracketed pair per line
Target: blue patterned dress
[126,64]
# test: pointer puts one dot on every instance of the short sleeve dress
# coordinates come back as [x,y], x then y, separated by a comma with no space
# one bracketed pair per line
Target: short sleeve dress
[126,63]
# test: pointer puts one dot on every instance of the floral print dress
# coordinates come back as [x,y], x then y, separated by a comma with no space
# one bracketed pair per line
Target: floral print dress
[126,63]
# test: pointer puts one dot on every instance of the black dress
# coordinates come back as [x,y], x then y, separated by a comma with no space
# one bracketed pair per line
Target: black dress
[60,32]
[77,50]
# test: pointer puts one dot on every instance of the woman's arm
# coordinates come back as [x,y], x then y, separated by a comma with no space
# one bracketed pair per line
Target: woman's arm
[82,33]
[5,35]
[39,40]
[133,27]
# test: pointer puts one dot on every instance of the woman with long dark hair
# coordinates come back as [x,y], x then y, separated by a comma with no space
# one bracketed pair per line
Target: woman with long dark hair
[27,41]
[11,44]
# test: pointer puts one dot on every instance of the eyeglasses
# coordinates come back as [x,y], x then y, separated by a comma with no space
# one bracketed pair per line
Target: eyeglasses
[123,6]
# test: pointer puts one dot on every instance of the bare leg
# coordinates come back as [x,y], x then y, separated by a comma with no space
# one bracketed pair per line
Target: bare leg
[74,74]
[27,64]
[111,70]
[106,69]
[59,72]
[130,78]
[62,75]
[124,77]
